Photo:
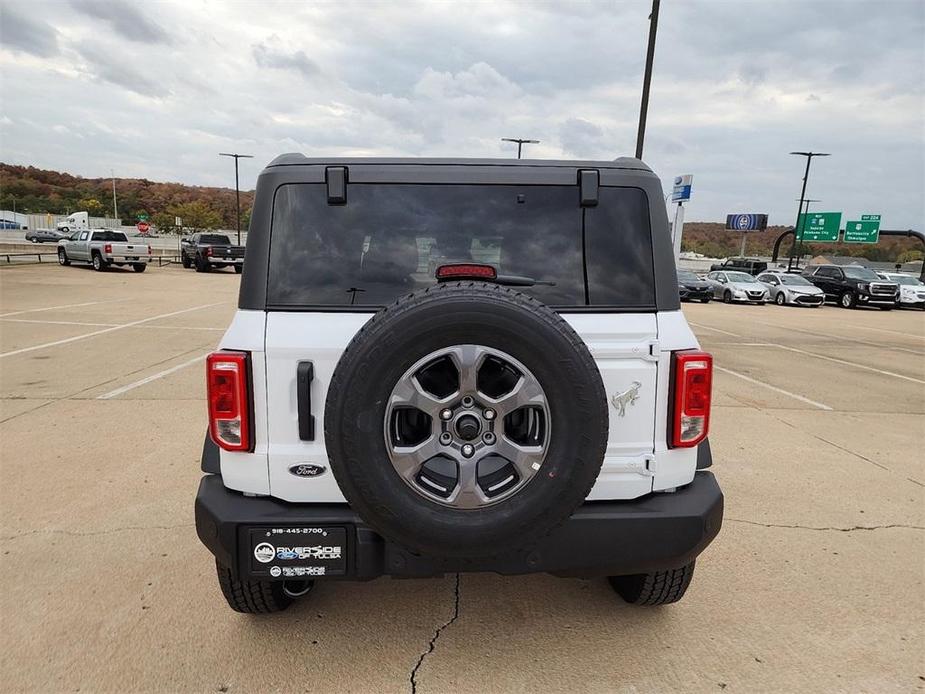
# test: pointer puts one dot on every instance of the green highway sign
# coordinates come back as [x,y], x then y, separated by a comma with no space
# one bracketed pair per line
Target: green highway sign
[819,226]
[865,231]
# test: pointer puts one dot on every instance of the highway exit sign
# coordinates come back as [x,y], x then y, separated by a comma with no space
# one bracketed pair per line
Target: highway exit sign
[819,226]
[867,230]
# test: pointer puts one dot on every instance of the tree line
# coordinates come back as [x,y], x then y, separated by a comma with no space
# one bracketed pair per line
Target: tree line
[34,191]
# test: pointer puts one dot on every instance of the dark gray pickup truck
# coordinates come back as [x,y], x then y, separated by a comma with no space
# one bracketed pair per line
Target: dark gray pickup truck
[207,251]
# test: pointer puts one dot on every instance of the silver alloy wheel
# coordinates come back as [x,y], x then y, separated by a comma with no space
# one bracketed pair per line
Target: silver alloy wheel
[467,426]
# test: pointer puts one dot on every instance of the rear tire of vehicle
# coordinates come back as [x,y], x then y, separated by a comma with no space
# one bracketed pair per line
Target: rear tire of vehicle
[727,297]
[238,269]
[185,261]
[655,588]
[98,264]
[259,597]
[780,299]
[429,320]
[139,267]
[202,265]
[62,257]
[848,300]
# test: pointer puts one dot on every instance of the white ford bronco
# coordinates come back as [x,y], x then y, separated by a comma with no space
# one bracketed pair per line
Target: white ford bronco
[457,365]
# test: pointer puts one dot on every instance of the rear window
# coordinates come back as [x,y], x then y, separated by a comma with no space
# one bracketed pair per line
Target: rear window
[215,238]
[389,239]
[109,236]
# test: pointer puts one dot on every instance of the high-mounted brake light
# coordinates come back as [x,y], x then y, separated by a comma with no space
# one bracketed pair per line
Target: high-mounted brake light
[692,393]
[107,248]
[229,400]
[462,271]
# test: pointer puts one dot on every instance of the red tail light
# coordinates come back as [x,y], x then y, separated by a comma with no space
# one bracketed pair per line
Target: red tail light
[693,383]
[229,400]
[209,251]
[461,271]
[107,248]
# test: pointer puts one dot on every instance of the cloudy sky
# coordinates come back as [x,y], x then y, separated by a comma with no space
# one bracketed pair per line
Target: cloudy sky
[157,89]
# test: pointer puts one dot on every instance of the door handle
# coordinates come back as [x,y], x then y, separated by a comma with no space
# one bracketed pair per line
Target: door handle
[305,374]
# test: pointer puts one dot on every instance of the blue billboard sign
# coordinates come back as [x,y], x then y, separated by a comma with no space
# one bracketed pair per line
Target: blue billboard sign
[747,222]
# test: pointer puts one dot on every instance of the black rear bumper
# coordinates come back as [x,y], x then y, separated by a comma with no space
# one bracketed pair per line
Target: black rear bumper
[659,531]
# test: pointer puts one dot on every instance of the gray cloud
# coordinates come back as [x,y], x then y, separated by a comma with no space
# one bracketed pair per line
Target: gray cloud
[268,56]
[114,67]
[27,34]
[583,139]
[125,19]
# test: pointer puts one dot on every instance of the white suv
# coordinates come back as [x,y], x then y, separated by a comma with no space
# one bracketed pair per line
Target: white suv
[457,365]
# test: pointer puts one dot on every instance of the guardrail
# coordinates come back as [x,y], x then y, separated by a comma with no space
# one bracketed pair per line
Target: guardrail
[9,256]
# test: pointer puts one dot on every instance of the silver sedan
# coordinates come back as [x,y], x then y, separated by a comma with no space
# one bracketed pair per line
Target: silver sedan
[791,289]
[737,286]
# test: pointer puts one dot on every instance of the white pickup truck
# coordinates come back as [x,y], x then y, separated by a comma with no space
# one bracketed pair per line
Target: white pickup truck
[103,248]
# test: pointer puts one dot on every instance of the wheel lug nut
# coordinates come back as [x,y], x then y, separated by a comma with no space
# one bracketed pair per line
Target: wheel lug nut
[489,414]
[488,437]
[467,450]
[446,438]
[446,414]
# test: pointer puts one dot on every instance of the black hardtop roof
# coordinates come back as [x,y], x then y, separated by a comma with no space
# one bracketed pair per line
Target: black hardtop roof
[296,159]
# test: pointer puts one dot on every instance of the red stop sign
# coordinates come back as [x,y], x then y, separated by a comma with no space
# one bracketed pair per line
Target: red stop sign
[143,227]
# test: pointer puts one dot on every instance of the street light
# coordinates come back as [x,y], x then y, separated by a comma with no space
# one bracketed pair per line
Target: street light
[647,79]
[798,228]
[520,143]
[237,192]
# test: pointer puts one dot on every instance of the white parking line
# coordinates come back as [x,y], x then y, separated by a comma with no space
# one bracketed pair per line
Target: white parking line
[717,330]
[166,372]
[110,325]
[774,388]
[52,308]
[58,322]
[851,363]
[892,332]
[104,330]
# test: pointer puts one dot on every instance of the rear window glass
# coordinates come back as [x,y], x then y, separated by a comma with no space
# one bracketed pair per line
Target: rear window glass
[215,238]
[109,236]
[389,239]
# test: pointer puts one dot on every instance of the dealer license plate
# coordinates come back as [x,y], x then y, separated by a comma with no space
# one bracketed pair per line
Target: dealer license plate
[298,552]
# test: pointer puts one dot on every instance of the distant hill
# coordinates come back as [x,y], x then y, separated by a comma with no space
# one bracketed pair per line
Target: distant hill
[713,240]
[40,190]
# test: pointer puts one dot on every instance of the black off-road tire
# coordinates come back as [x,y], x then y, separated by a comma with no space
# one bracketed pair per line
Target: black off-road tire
[185,261]
[656,588]
[256,597]
[419,324]
[62,257]
[139,267]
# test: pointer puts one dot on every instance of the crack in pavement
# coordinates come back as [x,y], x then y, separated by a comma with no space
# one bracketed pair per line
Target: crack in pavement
[433,641]
[111,531]
[814,527]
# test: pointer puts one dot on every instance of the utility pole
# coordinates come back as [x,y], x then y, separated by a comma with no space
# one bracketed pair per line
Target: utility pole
[115,209]
[237,192]
[520,143]
[798,228]
[647,79]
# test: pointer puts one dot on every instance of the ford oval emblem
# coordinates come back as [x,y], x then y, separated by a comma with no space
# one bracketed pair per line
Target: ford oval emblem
[307,470]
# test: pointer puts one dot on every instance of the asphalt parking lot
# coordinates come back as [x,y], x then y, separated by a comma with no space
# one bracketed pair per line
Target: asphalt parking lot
[814,584]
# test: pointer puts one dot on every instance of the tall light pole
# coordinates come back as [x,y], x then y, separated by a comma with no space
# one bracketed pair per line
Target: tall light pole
[520,143]
[237,192]
[798,228]
[647,79]
[115,209]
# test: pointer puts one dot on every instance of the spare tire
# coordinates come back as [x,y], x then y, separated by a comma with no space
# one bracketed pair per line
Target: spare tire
[466,420]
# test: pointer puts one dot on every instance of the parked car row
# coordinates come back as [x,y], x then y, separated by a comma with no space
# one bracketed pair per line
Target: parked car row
[849,286]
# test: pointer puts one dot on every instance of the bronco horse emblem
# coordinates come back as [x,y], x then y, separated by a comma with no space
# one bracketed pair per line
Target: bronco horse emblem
[627,397]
